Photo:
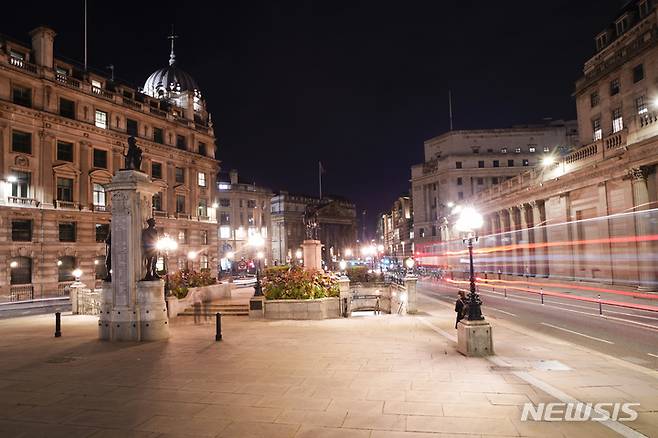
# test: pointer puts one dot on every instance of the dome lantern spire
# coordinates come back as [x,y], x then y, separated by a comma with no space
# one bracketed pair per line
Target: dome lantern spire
[172,55]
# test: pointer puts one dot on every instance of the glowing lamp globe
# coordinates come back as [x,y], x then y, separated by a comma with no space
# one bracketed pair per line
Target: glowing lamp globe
[469,220]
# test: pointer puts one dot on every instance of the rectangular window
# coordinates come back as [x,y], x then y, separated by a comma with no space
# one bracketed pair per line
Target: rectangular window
[458,165]
[21,230]
[157,202]
[202,210]
[132,128]
[96,84]
[641,105]
[67,231]
[503,150]
[21,271]
[481,164]
[158,135]
[100,158]
[224,202]
[597,132]
[643,7]
[460,181]
[21,142]
[20,184]
[532,149]
[180,175]
[594,99]
[250,219]
[224,186]
[180,204]
[204,237]
[156,170]
[547,149]
[201,179]
[180,142]
[22,96]
[225,232]
[621,25]
[614,87]
[638,73]
[480,181]
[99,195]
[494,180]
[182,236]
[102,230]
[202,149]
[526,163]
[251,203]
[496,163]
[224,218]
[203,262]
[517,150]
[65,189]
[65,151]
[66,108]
[510,163]
[101,119]
[617,120]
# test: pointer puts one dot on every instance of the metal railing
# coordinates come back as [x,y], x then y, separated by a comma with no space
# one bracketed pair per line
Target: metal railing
[21,292]
[63,288]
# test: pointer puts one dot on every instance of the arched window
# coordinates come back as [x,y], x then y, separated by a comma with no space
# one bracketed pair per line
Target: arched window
[65,267]
[21,270]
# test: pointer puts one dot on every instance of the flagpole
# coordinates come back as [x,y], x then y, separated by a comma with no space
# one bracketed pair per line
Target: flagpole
[320,177]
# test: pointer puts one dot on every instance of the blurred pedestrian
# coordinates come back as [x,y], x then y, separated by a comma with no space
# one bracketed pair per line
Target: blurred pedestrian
[461,307]
[197,307]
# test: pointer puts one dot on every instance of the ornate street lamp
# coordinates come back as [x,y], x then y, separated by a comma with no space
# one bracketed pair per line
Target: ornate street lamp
[164,245]
[256,241]
[469,222]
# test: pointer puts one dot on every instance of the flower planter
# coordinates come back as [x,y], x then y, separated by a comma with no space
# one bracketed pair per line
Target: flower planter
[320,308]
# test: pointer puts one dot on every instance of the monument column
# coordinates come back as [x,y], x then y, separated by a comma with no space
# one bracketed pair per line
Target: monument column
[525,251]
[647,274]
[132,309]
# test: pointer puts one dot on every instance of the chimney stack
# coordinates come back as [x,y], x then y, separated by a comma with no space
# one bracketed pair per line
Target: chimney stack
[43,39]
[233,174]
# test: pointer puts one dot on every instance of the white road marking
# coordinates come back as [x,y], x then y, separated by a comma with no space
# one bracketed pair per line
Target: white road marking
[651,354]
[498,310]
[577,333]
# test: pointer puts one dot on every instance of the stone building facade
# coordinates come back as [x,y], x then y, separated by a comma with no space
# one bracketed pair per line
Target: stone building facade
[243,212]
[395,229]
[459,164]
[63,133]
[590,215]
[337,230]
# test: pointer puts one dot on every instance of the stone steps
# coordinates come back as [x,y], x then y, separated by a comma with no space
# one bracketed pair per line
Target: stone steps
[233,309]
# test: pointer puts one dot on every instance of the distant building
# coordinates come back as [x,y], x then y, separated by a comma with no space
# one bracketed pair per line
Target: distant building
[590,215]
[395,229]
[337,232]
[63,133]
[243,213]
[459,164]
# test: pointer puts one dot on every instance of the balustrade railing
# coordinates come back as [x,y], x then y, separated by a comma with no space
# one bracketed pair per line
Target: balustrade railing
[103,93]
[32,68]
[66,204]
[21,292]
[23,201]
[67,80]
[158,213]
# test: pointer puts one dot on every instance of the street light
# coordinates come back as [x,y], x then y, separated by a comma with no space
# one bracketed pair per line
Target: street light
[342,265]
[164,245]
[348,252]
[547,161]
[409,263]
[469,222]
[257,241]
[77,273]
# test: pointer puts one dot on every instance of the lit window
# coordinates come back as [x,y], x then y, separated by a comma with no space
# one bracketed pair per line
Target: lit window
[225,232]
[532,149]
[547,149]
[224,186]
[101,119]
[203,261]
[517,150]
[96,84]
[239,233]
[641,105]
[617,120]
[526,162]
[99,195]
[182,236]
[597,132]
[202,179]
[503,150]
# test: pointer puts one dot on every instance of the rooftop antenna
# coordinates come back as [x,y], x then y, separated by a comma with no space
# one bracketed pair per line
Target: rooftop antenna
[111,69]
[450,107]
[172,37]
[85,35]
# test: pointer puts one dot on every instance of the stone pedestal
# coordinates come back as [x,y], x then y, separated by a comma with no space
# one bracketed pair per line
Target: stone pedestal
[74,293]
[410,285]
[474,338]
[131,309]
[257,307]
[344,288]
[312,250]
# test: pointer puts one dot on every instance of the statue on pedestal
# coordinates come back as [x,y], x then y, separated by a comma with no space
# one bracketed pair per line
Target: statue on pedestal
[134,155]
[149,245]
[311,221]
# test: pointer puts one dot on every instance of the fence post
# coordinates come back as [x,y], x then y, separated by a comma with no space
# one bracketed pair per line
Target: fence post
[218,326]
[58,324]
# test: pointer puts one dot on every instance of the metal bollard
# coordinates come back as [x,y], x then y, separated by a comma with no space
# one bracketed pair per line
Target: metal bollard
[541,291]
[58,324]
[600,308]
[218,326]
[505,292]
[344,307]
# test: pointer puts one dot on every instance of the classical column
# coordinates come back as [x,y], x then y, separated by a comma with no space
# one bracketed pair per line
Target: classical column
[83,178]
[606,271]
[3,175]
[538,232]
[528,240]
[515,238]
[45,181]
[501,255]
[561,256]
[645,249]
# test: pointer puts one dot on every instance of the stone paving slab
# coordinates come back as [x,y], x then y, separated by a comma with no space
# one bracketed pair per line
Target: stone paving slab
[374,377]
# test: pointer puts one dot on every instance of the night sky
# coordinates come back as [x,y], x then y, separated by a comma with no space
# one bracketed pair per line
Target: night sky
[358,85]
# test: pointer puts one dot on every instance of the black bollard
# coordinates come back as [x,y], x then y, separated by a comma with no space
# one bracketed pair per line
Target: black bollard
[218,327]
[541,291]
[600,308]
[58,324]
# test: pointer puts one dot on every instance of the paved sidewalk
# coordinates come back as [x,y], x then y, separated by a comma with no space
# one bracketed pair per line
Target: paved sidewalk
[376,377]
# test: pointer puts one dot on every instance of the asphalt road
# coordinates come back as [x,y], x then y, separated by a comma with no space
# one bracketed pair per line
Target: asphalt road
[627,334]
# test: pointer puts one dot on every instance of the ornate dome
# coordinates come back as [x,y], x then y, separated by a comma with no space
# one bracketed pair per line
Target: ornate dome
[168,81]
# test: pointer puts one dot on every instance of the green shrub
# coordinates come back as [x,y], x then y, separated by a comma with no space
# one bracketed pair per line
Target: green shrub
[297,284]
[360,274]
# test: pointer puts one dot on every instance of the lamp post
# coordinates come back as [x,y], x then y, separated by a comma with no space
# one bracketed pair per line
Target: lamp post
[469,222]
[256,241]
[164,245]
